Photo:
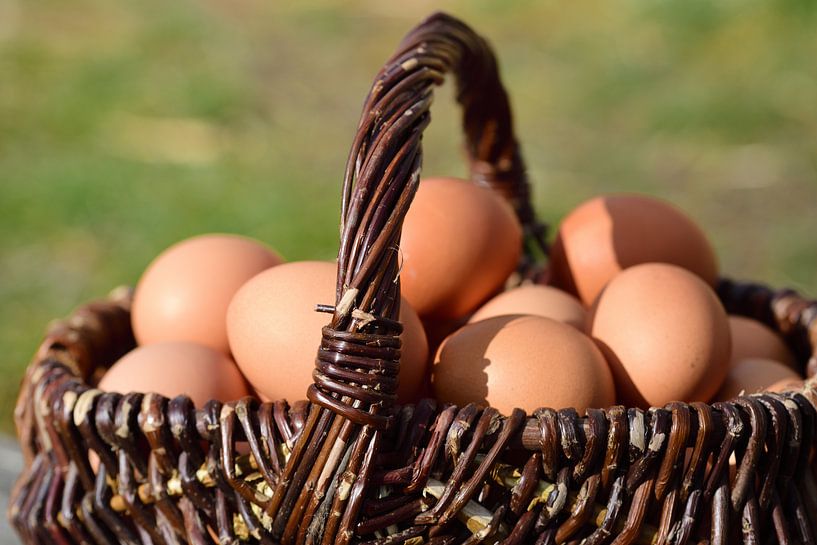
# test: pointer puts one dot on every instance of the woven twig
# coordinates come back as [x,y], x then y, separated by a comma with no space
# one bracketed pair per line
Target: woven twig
[350,467]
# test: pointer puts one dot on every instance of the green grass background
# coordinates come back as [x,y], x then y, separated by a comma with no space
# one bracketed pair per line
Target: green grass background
[127,126]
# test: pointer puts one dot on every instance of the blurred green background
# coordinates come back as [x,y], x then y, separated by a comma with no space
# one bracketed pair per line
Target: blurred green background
[127,126]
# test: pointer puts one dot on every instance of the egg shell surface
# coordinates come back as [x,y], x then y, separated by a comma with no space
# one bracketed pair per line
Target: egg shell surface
[184,293]
[459,244]
[275,331]
[608,234]
[665,335]
[535,300]
[175,368]
[522,361]
[753,339]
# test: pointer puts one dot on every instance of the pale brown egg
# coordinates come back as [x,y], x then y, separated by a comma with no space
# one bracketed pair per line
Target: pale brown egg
[184,293]
[460,242]
[787,385]
[275,332]
[522,361]
[535,300]
[176,368]
[753,375]
[664,334]
[752,339]
[607,234]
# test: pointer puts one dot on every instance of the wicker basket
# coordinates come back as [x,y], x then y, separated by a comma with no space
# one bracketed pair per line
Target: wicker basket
[348,466]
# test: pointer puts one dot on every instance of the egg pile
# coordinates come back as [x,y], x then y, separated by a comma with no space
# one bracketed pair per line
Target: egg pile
[627,313]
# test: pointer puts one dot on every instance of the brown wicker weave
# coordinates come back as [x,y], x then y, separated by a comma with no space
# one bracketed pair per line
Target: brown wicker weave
[349,466]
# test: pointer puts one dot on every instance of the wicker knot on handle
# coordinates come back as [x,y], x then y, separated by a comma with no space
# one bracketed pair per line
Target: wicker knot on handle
[360,368]
[358,362]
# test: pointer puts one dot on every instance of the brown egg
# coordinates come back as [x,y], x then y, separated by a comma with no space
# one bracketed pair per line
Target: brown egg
[787,385]
[535,300]
[415,359]
[604,235]
[753,375]
[665,335]
[522,361]
[460,242]
[752,339]
[275,332]
[176,368]
[184,293]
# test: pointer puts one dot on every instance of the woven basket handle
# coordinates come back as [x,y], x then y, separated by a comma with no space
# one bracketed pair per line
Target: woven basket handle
[380,181]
